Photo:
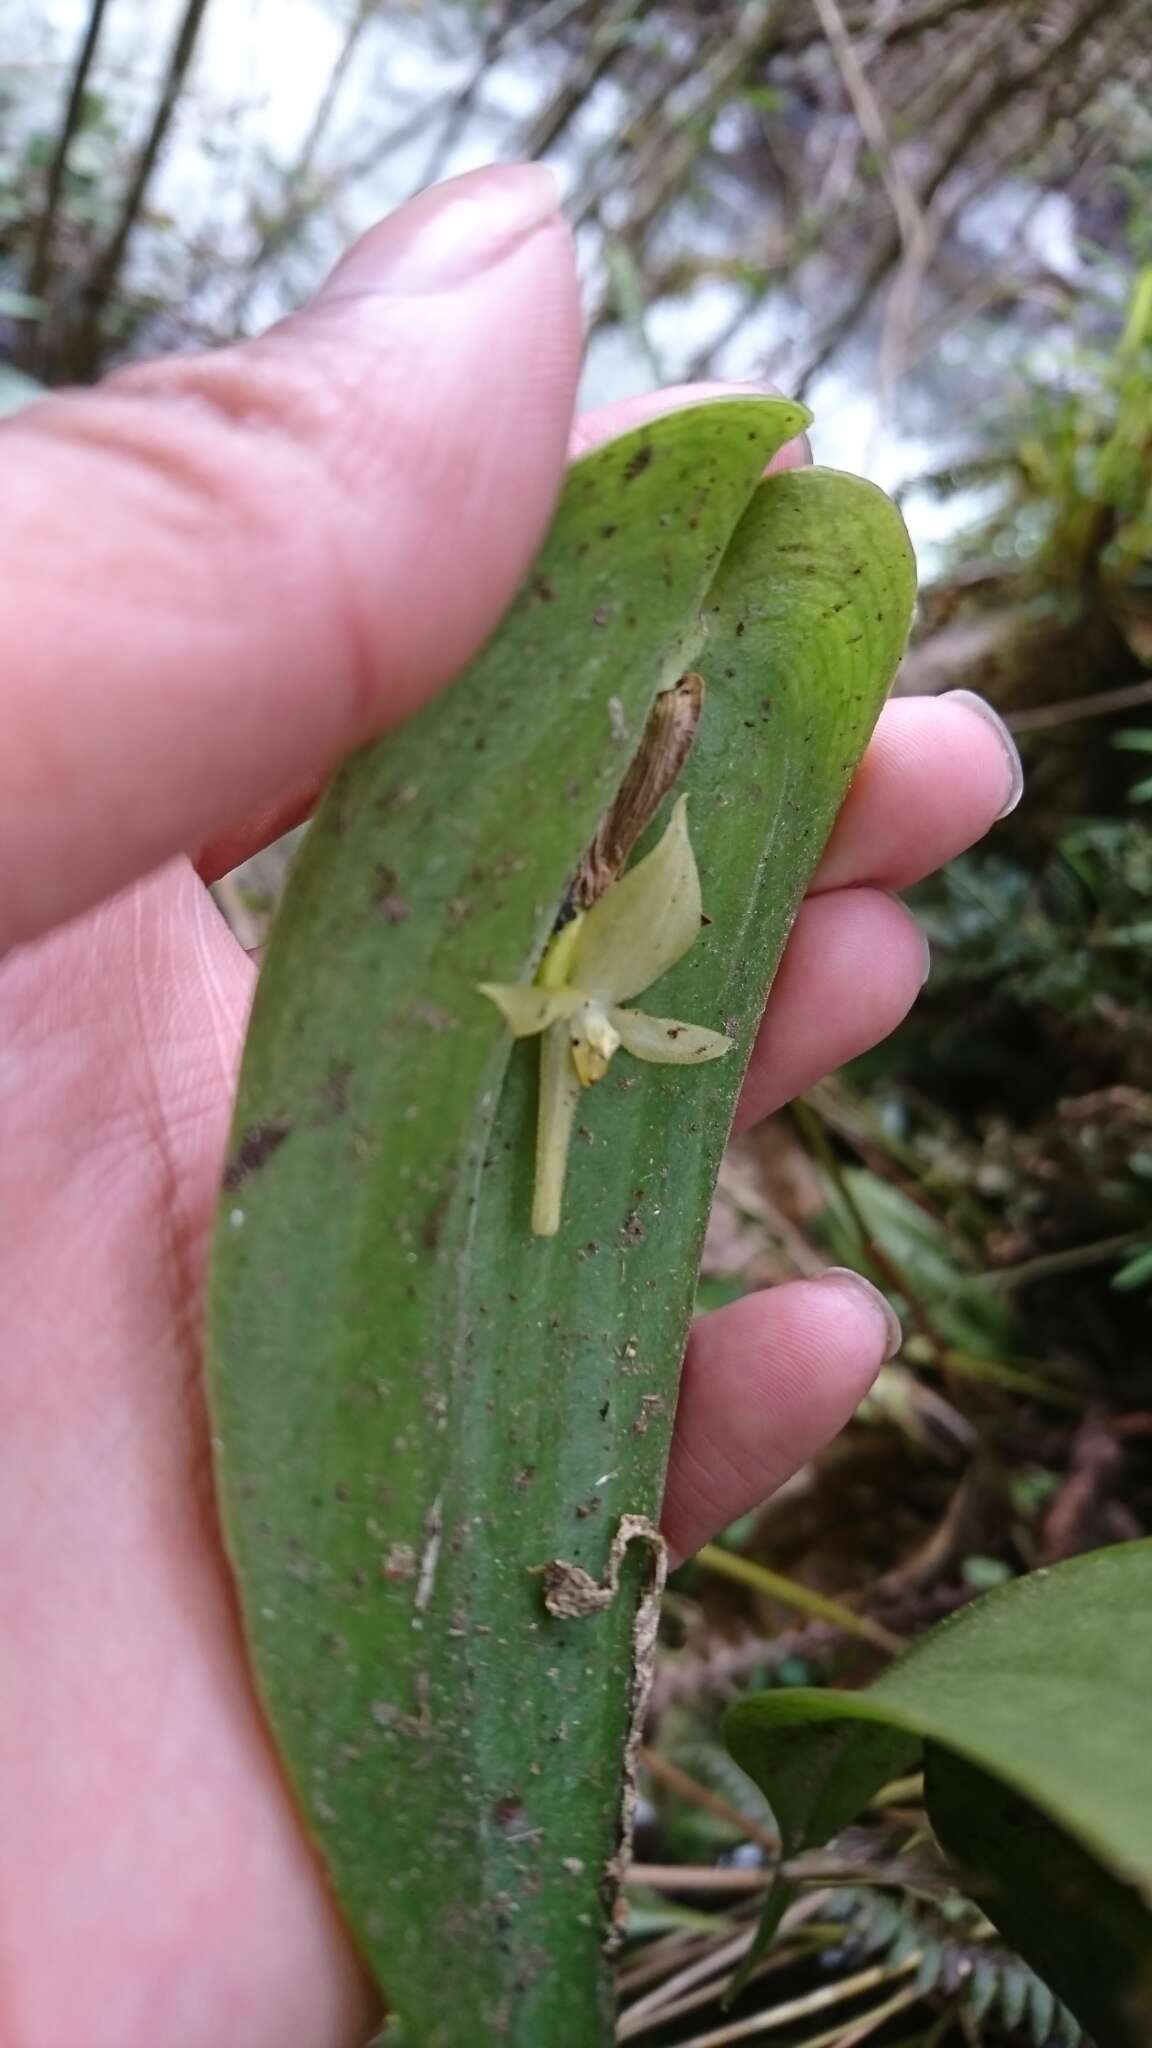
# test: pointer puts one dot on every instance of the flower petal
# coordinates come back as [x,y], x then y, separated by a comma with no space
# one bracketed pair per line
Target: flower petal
[554,968]
[528,1008]
[645,922]
[667,1042]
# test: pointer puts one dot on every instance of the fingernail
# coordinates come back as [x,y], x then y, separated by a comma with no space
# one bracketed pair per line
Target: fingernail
[1015,766]
[449,234]
[845,1276]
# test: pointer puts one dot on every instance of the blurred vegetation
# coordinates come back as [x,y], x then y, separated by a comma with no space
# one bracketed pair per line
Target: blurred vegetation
[757,183]
[991,1167]
[780,188]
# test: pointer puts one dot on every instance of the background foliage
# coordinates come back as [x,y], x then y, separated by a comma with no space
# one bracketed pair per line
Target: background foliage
[931,218]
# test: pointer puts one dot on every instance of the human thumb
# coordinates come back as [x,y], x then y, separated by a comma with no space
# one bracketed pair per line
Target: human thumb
[226,570]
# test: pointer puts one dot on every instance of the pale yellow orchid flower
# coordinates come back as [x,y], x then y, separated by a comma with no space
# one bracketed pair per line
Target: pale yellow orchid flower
[632,935]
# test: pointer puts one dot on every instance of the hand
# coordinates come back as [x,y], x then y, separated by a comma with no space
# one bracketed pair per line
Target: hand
[222,573]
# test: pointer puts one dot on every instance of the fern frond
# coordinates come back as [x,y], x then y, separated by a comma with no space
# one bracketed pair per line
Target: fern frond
[961,1958]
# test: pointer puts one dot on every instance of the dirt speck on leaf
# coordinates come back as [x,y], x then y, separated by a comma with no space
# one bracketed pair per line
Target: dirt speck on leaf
[399,798]
[399,1563]
[651,1405]
[431,1015]
[392,906]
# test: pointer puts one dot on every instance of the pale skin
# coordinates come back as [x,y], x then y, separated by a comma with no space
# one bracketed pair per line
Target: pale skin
[221,573]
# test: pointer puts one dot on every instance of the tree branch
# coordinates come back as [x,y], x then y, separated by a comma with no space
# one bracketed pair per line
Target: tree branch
[40,264]
[1005,89]
[104,276]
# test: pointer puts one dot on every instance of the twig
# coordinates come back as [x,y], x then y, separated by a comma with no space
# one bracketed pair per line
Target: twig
[905,23]
[41,260]
[521,35]
[815,2002]
[1071,1261]
[607,45]
[652,1963]
[873,125]
[774,1586]
[878,2017]
[1008,85]
[661,2015]
[1001,1372]
[104,276]
[720,1957]
[295,177]
[698,1877]
[708,75]
[1098,706]
[459,113]
[680,1991]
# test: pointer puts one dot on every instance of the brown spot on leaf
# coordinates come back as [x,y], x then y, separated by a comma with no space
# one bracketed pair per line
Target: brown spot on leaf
[257,1144]
[332,1096]
[638,463]
[509,1815]
[392,906]
[433,1222]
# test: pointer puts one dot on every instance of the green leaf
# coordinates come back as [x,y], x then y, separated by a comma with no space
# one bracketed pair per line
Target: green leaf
[964,1310]
[1033,1706]
[1086,1932]
[638,931]
[441,1440]
[1014,1990]
[816,1779]
[1136,1272]
[16,390]
[16,305]
[982,1987]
